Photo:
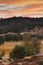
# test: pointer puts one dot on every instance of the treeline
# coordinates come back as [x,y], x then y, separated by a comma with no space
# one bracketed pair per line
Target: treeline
[19,24]
[10,37]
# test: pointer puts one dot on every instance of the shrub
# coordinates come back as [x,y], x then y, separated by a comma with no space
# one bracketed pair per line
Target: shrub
[1,40]
[16,37]
[8,37]
[18,52]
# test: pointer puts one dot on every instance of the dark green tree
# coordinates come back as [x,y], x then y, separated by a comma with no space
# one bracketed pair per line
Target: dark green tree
[2,53]
[17,37]
[8,37]
[18,52]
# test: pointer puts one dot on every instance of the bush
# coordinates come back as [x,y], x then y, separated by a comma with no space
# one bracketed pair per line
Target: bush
[18,52]
[28,43]
[1,40]
[2,54]
[16,37]
[32,44]
[8,37]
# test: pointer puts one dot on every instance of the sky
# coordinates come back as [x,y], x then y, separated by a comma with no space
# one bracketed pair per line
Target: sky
[24,8]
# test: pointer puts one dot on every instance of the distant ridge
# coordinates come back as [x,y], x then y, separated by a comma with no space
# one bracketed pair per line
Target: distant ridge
[19,24]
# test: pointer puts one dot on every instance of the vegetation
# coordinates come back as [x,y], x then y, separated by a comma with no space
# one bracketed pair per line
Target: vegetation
[10,37]
[1,40]
[18,52]
[17,37]
[2,54]
[30,47]
[36,44]
[32,44]
[19,24]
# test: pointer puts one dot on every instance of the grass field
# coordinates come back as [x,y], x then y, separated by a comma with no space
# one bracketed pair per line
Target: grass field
[8,46]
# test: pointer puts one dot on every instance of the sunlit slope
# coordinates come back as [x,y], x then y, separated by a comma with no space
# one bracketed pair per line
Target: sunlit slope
[8,46]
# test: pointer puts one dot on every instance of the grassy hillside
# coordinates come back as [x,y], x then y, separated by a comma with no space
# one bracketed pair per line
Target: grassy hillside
[8,46]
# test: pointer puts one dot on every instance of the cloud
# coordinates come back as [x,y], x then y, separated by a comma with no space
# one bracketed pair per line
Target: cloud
[11,7]
[30,8]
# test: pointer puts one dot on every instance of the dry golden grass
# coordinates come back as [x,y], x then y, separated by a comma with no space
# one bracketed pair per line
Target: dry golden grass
[8,46]
[41,50]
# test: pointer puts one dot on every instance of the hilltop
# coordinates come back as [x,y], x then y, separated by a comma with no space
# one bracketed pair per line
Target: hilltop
[19,24]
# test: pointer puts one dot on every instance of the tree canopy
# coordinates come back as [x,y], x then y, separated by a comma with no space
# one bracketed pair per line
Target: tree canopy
[18,52]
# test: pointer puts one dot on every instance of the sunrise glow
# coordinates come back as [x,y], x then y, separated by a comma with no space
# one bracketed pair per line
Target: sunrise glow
[25,8]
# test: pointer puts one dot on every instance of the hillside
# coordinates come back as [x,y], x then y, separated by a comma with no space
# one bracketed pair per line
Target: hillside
[19,24]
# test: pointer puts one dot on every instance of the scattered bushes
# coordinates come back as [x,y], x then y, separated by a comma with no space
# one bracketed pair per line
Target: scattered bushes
[10,37]
[2,53]
[32,44]
[30,47]
[14,37]
[17,37]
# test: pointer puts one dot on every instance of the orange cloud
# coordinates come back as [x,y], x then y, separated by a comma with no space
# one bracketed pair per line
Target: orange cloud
[21,1]
[21,8]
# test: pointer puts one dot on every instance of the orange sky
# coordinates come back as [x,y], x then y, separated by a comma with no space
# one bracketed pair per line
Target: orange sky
[28,8]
